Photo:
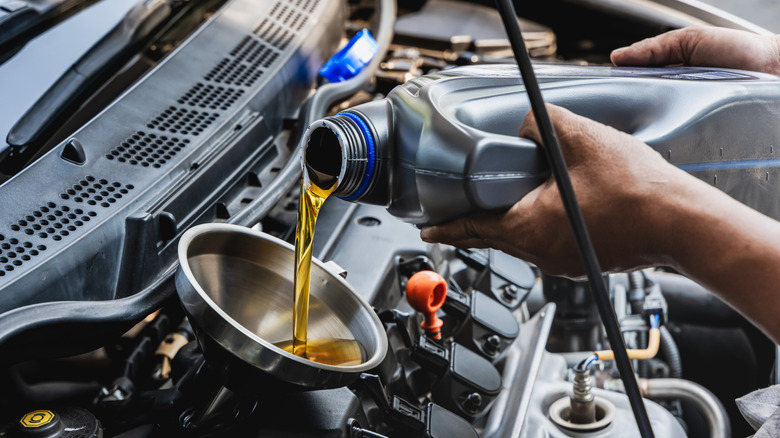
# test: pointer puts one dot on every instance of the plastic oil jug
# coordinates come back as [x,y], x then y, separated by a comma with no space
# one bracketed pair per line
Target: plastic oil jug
[445,145]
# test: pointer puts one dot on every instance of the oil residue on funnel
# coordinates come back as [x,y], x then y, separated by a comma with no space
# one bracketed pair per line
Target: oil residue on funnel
[330,351]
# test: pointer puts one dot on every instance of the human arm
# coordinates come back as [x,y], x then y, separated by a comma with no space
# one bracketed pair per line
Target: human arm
[705,46]
[640,211]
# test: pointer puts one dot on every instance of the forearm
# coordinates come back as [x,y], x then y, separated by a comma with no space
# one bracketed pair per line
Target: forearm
[724,245]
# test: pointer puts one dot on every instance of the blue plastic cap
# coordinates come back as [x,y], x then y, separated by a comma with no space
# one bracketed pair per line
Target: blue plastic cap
[348,61]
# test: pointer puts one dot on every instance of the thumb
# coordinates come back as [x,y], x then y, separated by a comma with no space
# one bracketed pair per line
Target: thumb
[558,116]
[565,123]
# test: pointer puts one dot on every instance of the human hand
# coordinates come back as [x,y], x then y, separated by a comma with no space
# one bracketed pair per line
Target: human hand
[616,178]
[705,46]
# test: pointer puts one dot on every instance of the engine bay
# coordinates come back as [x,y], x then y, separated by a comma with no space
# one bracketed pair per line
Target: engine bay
[94,340]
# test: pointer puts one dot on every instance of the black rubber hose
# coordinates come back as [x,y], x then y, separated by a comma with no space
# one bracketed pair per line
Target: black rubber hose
[574,214]
[671,353]
[636,280]
[51,392]
[636,290]
[50,326]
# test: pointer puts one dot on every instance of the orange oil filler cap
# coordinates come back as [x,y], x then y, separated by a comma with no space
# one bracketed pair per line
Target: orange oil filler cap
[426,292]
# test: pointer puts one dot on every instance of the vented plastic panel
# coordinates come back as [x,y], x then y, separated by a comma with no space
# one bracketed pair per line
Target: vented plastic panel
[246,63]
[210,96]
[183,121]
[142,149]
[285,20]
[57,220]
[14,253]
[196,121]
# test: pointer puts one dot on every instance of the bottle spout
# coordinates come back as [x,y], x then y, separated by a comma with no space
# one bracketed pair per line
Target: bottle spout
[347,150]
[339,151]
[323,158]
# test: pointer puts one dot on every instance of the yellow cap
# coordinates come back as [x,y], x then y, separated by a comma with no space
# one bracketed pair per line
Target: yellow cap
[36,419]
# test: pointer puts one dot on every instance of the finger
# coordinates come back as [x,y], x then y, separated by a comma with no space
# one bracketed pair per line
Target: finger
[529,129]
[432,235]
[666,49]
[705,46]
[483,227]
[572,131]
[471,244]
[558,116]
[502,245]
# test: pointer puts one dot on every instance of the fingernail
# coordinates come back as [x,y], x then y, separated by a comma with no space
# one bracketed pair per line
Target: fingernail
[425,234]
[618,51]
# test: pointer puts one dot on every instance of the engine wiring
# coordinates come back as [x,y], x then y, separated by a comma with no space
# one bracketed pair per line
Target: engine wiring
[653,344]
[587,362]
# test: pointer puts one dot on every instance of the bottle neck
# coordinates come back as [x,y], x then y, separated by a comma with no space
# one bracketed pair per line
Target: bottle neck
[340,151]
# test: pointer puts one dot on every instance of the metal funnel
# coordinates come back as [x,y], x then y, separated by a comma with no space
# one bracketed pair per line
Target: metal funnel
[236,287]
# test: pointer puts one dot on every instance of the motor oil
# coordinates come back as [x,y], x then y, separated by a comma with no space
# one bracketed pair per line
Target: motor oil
[311,199]
[341,352]
[445,145]
[328,351]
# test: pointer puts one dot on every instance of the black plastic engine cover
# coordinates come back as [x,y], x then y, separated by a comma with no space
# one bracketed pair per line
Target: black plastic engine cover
[200,125]
[323,413]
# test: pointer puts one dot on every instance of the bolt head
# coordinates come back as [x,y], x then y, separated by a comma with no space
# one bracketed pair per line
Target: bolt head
[510,292]
[473,402]
[492,344]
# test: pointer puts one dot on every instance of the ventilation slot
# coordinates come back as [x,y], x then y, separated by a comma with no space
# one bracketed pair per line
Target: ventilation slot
[275,9]
[280,13]
[299,22]
[256,53]
[283,23]
[182,121]
[94,192]
[14,253]
[292,18]
[52,222]
[210,96]
[245,63]
[56,222]
[287,18]
[305,5]
[141,149]
[245,68]
[274,34]
[310,5]
[287,13]
[240,46]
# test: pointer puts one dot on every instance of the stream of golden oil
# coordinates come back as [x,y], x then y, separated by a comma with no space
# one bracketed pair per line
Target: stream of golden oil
[327,351]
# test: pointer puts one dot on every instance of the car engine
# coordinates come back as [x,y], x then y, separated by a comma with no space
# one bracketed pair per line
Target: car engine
[176,114]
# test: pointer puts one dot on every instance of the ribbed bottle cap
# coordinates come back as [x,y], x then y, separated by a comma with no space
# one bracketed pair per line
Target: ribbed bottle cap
[340,148]
[348,61]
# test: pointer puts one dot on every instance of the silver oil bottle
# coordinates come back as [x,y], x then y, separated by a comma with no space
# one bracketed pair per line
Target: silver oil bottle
[445,145]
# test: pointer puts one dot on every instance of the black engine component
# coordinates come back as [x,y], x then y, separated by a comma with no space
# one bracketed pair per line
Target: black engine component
[469,384]
[64,422]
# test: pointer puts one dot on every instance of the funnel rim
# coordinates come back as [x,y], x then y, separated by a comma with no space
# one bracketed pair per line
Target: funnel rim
[194,232]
